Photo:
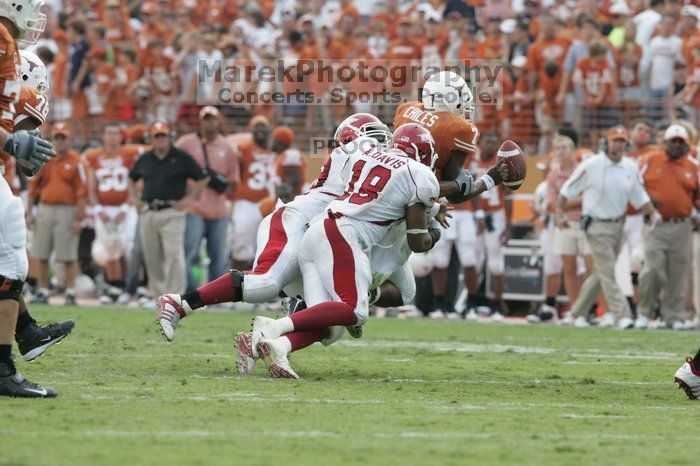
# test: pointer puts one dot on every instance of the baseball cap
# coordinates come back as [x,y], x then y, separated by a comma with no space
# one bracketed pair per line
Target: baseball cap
[676,131]
[209,110]
[159,127]
[618,132]
[113,3]
[259,120]
[620,8]
[283,134]
[62,128]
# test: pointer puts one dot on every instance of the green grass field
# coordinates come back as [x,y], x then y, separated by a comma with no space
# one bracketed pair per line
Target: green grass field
[408,392]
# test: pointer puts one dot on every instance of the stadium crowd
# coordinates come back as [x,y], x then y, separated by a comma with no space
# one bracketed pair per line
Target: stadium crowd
[125,81]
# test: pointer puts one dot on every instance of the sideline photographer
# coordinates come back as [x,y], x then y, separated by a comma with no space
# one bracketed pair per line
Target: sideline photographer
[208,215]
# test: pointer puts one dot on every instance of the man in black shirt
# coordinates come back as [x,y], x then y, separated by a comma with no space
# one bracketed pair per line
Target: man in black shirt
[164,196]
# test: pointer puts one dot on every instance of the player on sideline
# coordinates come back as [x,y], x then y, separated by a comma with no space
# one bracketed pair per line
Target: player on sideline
[19,19]
[385,187]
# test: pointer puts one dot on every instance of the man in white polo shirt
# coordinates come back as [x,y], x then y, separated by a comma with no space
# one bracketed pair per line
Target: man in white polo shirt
[608,182]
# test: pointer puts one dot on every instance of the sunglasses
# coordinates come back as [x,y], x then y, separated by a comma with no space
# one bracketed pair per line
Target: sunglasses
[160,135]
[59,137]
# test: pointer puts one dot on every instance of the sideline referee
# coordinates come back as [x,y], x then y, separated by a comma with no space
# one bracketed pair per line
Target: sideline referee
[165,170]
[608,182]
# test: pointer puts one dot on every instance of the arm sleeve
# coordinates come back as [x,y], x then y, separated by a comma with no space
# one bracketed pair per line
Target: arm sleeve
[427,188]
[135,173]
[574,186]
[194,171]
[638,195]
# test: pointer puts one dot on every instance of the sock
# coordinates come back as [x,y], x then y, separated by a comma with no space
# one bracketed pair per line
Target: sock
[300,340]
[696,360]
[24,320]
[220,290]
[635,278]
[633,306]
[439,301]
[118,284]
[70,291]
[593,310]
[5,352]
[551,301]
[374,295]
[471,301]
[31,281]
[321,316]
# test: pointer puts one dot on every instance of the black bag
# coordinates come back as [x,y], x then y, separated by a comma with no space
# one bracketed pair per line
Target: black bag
[217,181]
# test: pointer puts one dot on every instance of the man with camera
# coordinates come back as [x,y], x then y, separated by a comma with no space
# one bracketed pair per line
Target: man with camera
[165,195]
[608,181]
[207,216]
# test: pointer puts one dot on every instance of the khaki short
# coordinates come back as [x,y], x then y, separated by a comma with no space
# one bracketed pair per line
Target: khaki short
[570,241]
[53,233]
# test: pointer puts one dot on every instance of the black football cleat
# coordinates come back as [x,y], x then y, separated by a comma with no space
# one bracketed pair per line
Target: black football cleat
[296,304]
[35,340]
[14,385]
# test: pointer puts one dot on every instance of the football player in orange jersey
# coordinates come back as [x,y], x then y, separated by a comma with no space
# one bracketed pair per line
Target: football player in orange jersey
[115,220]
[22,20]
[290,165]
[447,106]
[257,163]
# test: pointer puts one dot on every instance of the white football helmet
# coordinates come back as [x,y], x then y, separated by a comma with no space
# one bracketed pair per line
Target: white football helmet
[26,15]
[447,91]
[33,72]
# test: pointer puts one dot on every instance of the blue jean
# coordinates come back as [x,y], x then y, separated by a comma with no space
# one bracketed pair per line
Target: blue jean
[658,108]
[216,233]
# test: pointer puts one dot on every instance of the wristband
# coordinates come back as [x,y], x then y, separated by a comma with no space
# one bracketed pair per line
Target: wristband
[488,181]
[416,231]
[434,236]
[479,214]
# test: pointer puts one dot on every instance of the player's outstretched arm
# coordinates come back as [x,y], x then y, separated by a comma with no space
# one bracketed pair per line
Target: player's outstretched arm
[420,237]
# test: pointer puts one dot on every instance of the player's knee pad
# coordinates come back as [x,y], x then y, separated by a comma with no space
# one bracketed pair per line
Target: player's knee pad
[335,335]
[260,288]
[552,264]
[408,291]
[11,290]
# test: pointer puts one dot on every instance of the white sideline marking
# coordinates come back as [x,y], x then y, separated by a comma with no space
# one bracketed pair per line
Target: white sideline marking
[228,434]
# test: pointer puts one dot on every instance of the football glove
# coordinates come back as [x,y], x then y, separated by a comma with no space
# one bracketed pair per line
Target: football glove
[30,150]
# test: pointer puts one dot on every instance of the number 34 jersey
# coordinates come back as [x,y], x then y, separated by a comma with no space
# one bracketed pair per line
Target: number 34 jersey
[111,173]
[382,185]
[257,169]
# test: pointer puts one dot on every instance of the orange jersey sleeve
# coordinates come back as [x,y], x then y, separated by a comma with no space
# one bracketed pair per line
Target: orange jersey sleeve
[9,83]
[450,132]
[32,104]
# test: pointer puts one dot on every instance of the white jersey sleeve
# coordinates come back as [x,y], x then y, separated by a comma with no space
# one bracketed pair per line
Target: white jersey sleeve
[427,188]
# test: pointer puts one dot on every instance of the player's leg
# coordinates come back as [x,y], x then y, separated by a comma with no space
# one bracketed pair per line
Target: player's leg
[467,252]
[441,254]
[246,219]
[66,248]
[217,246]
[13,270]
[194,232]
[495,261]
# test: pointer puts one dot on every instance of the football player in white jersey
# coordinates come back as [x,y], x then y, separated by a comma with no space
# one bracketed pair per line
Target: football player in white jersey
[385,187]
[279,234]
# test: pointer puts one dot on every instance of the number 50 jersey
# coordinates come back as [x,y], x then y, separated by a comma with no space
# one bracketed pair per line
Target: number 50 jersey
[111,173]
[382,185]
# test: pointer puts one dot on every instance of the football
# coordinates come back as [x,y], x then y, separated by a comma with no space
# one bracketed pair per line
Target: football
[515,161]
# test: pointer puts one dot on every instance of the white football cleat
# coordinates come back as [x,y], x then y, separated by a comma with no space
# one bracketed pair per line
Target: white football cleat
[642,322]
[453,316]
[262,327]
[688,378]
[171,308]
[437,314]
[678,325]
[471,315]
[275,357]
[244,353]
[497,317]
[568,319]
[625,323]
[581,322]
